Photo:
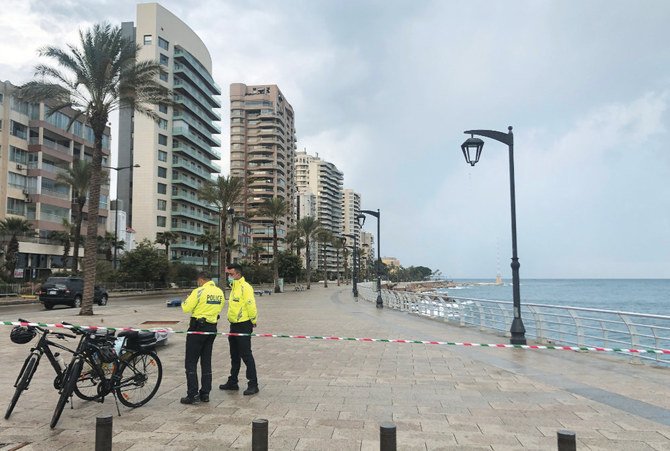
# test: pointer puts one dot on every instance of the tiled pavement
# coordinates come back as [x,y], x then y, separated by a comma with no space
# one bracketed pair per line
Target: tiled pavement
[325,395]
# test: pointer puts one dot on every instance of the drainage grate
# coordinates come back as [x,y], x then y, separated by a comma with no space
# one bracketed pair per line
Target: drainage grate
[160,322]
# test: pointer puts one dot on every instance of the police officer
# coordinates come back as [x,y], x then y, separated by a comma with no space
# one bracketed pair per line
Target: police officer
[242,317]
[204,304]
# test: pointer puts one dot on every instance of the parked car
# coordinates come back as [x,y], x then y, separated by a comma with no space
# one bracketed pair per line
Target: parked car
[68,291]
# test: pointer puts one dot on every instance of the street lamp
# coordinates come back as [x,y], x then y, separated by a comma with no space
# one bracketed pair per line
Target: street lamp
[231,213]
[472,149]
[116,211]
[354,276]
[380,302]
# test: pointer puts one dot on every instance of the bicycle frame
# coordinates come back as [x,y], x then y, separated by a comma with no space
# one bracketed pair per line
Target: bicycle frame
[43,348]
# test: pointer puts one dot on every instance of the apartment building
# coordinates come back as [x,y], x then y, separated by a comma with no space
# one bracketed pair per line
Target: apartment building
[323,180]
[34,148]
[176,154]
[262,150]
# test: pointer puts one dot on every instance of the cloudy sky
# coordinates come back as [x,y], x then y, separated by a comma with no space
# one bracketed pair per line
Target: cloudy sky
[385,88]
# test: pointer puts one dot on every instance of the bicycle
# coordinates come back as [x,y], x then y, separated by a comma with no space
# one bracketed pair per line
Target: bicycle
[127,368]
[23,335]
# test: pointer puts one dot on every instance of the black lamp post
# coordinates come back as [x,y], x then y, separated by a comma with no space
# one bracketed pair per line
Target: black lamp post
[231,214]
[472,149]
[378,265]
[116,211]
[354,277]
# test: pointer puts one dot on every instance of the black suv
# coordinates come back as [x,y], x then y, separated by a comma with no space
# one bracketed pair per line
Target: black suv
[69,291]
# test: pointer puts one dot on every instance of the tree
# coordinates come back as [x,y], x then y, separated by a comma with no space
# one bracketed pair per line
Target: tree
[14,227]
[78,177]
[275,209]
[166,239]
[290,265]
[231,245]
[94,79]
[337,245]
[224,192]
[325,237]
[144,263]
[308,227]
[209,239]
[64,237]
[256,249]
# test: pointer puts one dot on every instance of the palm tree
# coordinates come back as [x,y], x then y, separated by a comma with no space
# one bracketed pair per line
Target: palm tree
[14,227]
[325,236]
[224,192]
[231,245]
[337,245]
[308,227]
[78,177]
[209,239]
[294,240]
[64,237]
[94,79]
[276,209]
[256,249]
[166,239]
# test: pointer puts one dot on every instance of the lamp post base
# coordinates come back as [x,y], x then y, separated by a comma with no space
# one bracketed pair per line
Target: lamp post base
[518,332]
[380,302]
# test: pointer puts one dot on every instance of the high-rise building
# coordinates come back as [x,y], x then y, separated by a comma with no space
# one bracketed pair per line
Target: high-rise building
[322,179]
[35,147]
[175,153]
[262,149]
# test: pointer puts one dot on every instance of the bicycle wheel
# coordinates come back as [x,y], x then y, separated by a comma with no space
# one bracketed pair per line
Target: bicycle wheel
[69,384]
[86,387]
[140,377]
[23,381]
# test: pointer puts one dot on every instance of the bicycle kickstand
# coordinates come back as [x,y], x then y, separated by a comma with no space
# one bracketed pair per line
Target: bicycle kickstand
[116,402]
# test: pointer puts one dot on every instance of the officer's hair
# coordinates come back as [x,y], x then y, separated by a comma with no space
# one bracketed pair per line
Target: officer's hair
[236,267]
[204,275]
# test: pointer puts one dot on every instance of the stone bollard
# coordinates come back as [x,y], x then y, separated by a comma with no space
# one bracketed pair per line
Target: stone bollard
[259,435]
[387,440]
[103,433]
[567,440]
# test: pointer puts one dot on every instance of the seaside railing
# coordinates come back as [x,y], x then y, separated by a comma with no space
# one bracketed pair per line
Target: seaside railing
[550,324]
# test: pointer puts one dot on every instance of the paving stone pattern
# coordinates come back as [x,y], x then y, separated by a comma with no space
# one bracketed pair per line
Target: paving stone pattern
[333,395]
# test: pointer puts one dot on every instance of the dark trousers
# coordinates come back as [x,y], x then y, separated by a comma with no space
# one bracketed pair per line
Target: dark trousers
[240,350]
[199,347]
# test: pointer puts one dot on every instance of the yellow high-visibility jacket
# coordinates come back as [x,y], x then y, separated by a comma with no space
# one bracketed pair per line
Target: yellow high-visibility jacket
[242,302]
[205,302]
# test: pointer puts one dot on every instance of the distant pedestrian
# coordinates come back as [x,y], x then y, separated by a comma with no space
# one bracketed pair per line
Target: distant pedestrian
[242,317]
[204,304]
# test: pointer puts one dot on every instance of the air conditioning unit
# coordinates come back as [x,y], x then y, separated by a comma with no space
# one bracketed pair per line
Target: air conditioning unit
[29,200]
[19,167]
[26,192]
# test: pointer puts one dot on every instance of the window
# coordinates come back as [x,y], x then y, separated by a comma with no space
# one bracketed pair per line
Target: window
[162,123]
[162,156]
[162,140]
[18,130]
[162,188]
[16,206]
[163,76]
[164,60]
[162,43]
[161,221]
[18,155]
[16,180]
[162,108]
[162,205]
[148,39]
[162,173]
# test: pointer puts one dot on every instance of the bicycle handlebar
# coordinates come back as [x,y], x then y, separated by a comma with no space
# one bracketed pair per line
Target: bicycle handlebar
[42,329]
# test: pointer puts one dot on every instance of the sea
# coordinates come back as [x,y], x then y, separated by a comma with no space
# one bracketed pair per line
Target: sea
[650,296]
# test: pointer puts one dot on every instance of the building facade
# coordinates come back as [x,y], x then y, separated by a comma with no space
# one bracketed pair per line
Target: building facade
[35,147]
[262,150]
[175,154]
[324,181]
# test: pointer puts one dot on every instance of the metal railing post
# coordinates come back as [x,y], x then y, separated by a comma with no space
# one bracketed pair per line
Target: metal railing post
[259,435]
[567,440]
[387,438]
[103,433]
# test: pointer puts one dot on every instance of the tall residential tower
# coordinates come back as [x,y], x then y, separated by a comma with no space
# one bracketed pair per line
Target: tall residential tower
[176,153]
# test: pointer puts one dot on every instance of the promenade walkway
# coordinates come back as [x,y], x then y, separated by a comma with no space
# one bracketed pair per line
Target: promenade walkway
[332,395]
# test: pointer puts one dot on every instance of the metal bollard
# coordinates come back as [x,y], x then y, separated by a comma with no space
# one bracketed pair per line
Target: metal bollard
[259,435]
[567,440]
[387,441]
[103,433]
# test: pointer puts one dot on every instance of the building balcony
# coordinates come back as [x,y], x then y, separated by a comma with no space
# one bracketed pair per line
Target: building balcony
[197,109]
[184,56]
